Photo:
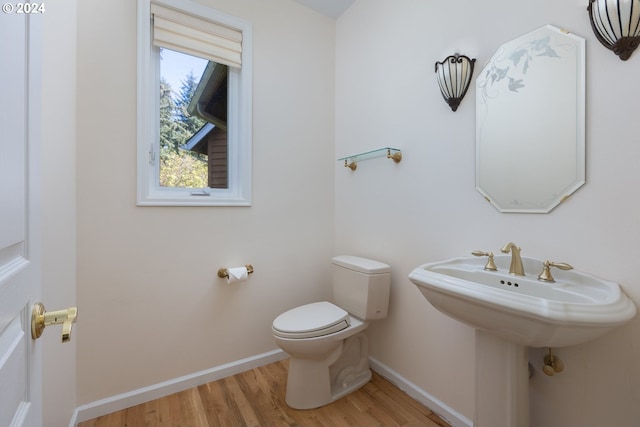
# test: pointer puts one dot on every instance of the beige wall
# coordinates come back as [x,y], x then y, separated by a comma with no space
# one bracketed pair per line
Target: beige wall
[152,306]
[152,311]
[427,209]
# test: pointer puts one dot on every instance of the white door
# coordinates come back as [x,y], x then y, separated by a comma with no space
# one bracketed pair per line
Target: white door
[20,361]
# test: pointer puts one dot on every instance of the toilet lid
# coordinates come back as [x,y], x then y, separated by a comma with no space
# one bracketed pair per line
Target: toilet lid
[311,320]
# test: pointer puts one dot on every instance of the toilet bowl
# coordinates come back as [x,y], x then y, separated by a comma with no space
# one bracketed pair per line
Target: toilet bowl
[327,344]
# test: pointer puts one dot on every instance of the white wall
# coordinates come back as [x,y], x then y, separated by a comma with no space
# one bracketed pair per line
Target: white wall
[426,208]
[59,205]
[152,306]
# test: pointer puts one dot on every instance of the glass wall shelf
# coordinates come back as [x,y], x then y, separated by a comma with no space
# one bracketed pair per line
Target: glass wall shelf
[351,162]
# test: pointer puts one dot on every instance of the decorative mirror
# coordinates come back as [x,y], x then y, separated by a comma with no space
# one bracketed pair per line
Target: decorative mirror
[530,122]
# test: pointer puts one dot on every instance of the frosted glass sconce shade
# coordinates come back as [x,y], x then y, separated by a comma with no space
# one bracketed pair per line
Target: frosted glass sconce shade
[616,24]
[454,75]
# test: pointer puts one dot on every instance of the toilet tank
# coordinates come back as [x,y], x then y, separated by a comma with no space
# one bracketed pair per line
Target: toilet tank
[361,286]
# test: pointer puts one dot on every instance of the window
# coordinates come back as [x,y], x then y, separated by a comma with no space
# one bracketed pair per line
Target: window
[194,106]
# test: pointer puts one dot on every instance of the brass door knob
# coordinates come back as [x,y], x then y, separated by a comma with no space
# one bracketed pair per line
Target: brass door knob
[41,318]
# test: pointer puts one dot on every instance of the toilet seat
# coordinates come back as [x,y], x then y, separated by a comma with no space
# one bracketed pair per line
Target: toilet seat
[311,320]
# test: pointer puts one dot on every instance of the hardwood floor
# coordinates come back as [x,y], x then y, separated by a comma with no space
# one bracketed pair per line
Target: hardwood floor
[256,398]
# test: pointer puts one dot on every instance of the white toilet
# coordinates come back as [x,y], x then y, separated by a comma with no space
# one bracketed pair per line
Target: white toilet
[328,350]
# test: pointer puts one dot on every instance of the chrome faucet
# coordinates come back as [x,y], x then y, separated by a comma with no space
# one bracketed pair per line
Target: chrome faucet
[516,266]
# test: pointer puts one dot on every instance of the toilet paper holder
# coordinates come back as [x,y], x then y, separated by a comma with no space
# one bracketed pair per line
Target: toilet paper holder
[224,273]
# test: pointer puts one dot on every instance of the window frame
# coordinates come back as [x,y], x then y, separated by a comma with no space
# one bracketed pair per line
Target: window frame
[149,192]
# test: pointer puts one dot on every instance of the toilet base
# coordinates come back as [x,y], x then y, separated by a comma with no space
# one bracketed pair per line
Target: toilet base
[312,383]
[340,390]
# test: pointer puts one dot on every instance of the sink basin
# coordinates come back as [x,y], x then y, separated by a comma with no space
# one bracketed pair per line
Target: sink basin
[575,309]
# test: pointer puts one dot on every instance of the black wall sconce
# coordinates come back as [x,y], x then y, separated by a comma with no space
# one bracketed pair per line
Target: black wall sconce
[616,24]
[454,76]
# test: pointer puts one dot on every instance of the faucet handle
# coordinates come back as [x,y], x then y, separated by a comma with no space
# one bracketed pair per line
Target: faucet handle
[545,275]
[491,265]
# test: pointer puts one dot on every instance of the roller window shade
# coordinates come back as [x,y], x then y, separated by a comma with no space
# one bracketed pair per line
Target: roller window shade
[196,36]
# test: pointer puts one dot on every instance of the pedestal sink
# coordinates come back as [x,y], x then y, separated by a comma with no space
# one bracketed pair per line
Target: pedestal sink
[511,313]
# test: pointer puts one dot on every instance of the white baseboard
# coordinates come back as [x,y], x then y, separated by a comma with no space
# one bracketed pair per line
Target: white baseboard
[145,394]
[444,411]
[135,397]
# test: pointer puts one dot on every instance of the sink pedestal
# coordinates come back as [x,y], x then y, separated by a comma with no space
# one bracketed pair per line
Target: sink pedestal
[502,382]
[512,313]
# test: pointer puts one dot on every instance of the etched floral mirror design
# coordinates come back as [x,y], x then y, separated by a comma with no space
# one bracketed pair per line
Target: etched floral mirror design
[530,122]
